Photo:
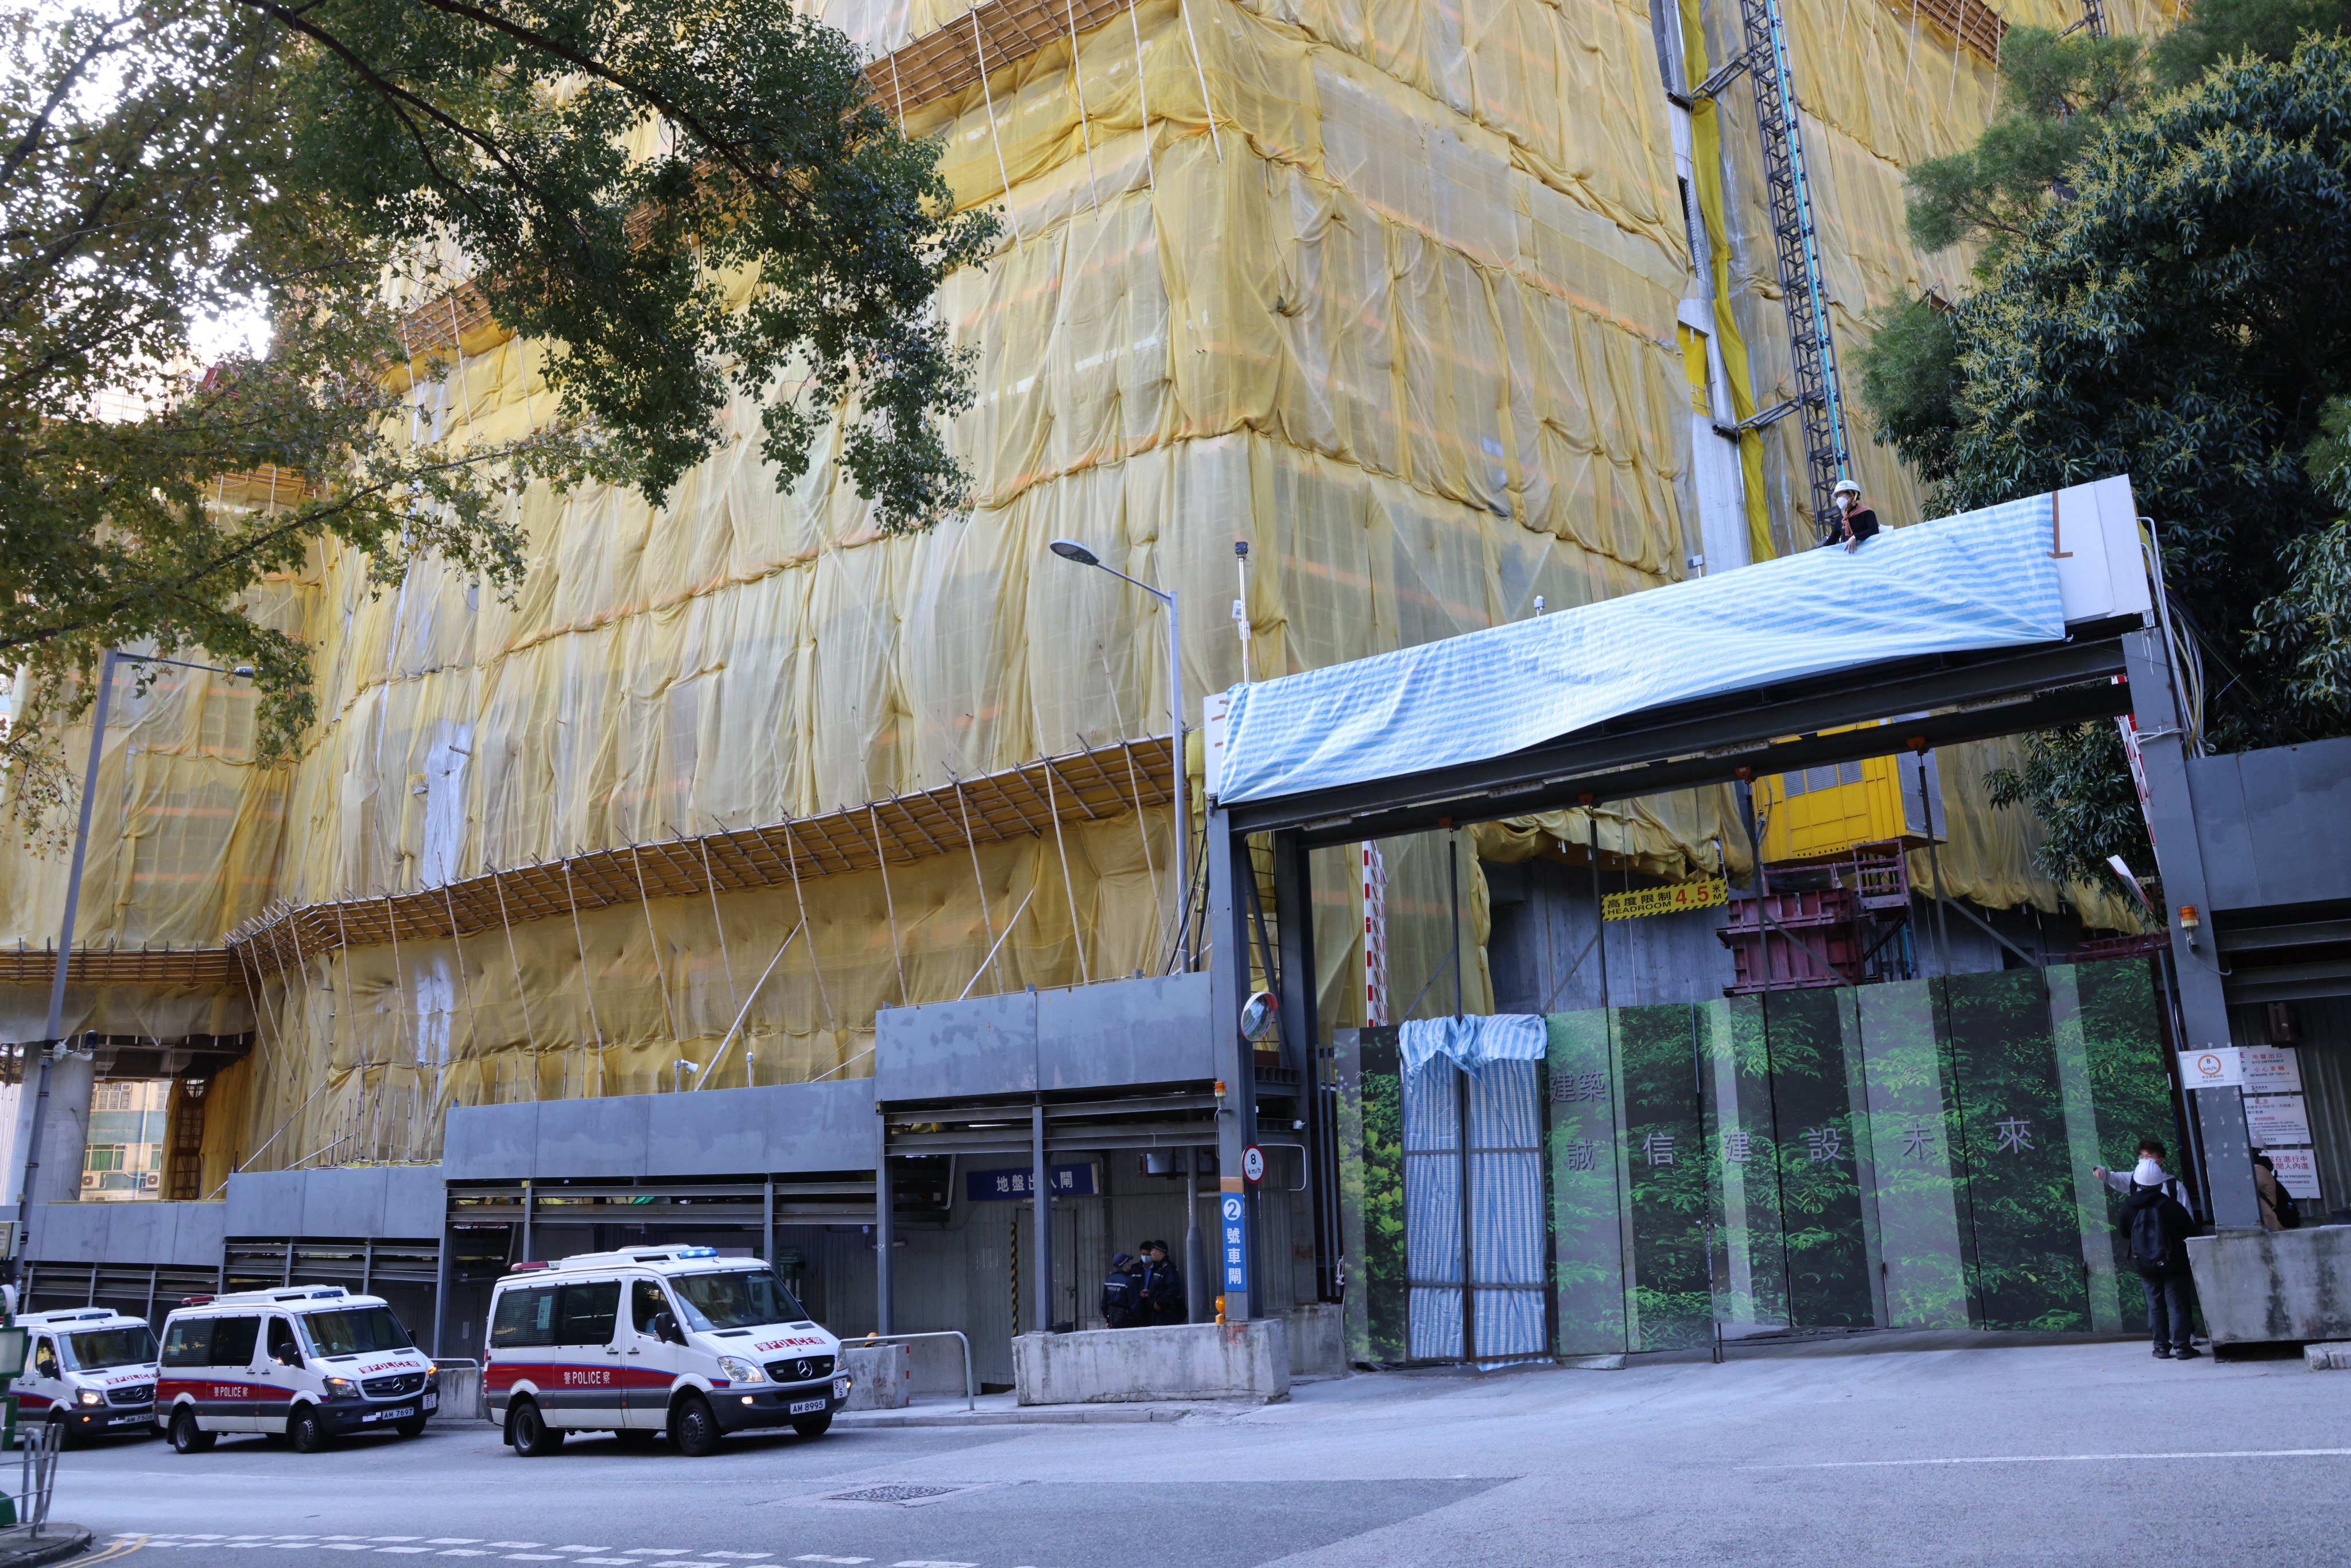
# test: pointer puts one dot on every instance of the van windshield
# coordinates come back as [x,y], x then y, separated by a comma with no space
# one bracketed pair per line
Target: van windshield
[358,1331]
[736,1299]
[99,1349]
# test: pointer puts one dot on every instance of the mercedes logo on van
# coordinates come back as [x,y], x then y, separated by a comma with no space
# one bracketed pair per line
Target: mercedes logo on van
[803,1369]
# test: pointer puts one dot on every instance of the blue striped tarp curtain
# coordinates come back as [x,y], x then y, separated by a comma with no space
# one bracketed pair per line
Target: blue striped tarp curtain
[1506,1218]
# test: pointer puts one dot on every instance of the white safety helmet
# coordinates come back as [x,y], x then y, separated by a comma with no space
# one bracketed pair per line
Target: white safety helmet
[1844,487]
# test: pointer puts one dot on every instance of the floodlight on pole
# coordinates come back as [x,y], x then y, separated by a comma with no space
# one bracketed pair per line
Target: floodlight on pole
[1071,550]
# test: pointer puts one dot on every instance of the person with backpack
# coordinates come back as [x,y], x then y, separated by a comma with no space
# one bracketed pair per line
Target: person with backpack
[2278,1212]
[2157,1224]
[1122,1296]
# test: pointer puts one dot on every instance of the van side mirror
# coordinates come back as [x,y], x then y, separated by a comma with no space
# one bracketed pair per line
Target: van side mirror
[665,1329]
[290,1358]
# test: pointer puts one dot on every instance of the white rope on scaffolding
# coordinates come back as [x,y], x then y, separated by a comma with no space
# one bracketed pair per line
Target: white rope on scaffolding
[1078,82]
[530,1035]
[1207,105]
[653,938]
[1142,98]
[703,1076]
[988,101]
[792,859]
[400,1012]
[726,959]
[1134,787]
[986,920]
[586,989]
[472,1012]
[1069,888]
[889,903]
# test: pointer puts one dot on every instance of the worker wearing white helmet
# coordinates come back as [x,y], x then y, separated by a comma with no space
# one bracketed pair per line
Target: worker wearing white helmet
[1857,522]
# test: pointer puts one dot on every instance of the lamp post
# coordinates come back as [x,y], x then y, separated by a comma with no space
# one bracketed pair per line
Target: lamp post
[56,1027]
[1070,550]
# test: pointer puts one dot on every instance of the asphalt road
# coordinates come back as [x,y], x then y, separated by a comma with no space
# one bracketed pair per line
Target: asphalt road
[2087,1453]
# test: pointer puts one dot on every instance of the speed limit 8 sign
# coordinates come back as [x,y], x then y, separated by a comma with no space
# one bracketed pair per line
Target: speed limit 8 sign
[1253,1163]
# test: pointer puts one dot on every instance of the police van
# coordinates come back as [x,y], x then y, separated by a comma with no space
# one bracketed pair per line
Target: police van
[651,1340]
[86,1373]
[311,1362]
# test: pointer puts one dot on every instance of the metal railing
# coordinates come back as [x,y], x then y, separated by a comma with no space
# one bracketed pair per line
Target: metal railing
[970,1388]
[38,1446]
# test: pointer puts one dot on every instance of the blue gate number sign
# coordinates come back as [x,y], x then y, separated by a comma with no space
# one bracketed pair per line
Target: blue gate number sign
[1236,1253]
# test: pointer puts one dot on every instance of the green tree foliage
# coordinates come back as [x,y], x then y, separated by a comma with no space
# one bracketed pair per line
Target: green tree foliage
[2217,30]
[2056,94]
[2174,308]
[2306,629]
[2077,781]
[685,203]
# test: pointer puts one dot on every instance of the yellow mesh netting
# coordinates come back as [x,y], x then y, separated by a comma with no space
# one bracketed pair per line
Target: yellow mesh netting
[1407,323]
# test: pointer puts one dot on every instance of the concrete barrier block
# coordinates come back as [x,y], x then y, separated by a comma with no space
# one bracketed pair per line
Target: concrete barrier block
[2264,1287]
[884,1375]
[2327,1357]
[1187,1361]
[1318,1340]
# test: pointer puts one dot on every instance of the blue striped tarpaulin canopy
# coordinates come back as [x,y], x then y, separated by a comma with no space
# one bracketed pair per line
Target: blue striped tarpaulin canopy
[1982,580]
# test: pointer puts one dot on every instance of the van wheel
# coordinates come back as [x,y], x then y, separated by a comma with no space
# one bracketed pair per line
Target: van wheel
[187,1438]
[411,1428]
[813,1426]
[527,1430]
[305,1430]
[692,1429]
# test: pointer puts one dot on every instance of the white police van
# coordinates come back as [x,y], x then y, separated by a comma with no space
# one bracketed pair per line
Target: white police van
[653,1340]
[311,1362]
[87,1372]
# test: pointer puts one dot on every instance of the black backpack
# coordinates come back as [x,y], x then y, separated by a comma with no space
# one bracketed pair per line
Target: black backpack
[2157,1229]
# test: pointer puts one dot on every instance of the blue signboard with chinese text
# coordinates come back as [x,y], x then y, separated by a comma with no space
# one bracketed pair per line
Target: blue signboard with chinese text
[1236,1251]
[1020,1183]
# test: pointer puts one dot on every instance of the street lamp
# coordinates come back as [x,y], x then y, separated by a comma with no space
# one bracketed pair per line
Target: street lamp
[73,906]
[1071,550]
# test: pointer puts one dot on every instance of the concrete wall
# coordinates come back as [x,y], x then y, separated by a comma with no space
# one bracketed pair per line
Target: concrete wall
[884,1375]
[2271,824]
[1196,1361]
[1149,1030]
[177,1235]
[782,1128]
[404,1201]
[2261,1287]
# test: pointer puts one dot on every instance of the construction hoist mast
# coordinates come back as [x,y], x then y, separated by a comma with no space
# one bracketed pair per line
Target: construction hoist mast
[1819,401]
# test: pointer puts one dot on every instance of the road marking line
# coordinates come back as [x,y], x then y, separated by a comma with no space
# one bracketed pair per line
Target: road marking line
[745,1556]
[609,1561]
[520,1545]
[923,1562]
[394,1538]
[2056,1460]
[657,1552]
[461,1551]
[455,1541]
[820,1557]
[346,1546]
[404,1549]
